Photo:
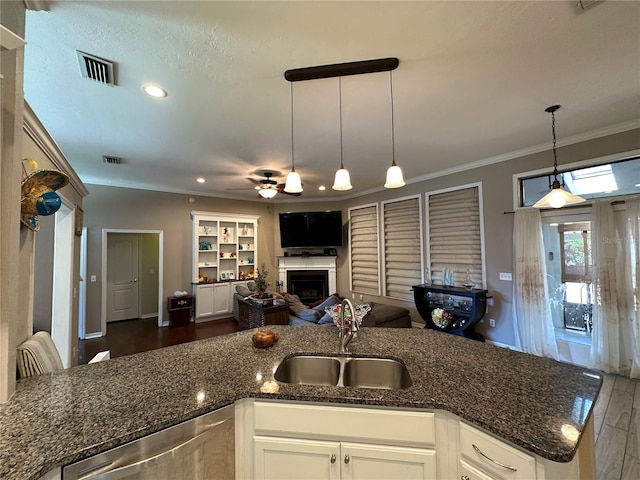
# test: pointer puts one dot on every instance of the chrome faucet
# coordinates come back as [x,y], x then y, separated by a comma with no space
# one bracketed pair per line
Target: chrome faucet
[348,328]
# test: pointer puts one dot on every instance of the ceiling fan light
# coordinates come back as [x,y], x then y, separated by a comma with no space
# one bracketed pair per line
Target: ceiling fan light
[558,198]
[267,192]
[342,180]
[394,177]
[293,183]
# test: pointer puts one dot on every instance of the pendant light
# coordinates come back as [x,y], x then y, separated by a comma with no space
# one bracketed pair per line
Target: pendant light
[342,180]
[394,173]
[557,197]
[293,183]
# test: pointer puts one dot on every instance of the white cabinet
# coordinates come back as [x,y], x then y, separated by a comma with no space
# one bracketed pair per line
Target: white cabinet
[293,458]
[224,251]
[204,301]
[311,441]
[222,298]
[492,458]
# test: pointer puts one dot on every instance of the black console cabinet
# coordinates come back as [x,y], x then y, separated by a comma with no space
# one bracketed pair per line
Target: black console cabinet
[464,308]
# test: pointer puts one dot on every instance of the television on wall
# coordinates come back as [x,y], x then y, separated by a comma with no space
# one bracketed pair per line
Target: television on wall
[311,229]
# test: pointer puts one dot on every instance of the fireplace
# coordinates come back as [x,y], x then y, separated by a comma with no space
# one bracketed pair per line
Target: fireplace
[309,285]
[315,265]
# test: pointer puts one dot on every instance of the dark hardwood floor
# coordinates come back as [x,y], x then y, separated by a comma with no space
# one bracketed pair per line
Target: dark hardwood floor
[133,336]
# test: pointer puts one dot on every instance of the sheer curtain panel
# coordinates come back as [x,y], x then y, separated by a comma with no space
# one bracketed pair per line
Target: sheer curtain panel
[532,314]
[612,342]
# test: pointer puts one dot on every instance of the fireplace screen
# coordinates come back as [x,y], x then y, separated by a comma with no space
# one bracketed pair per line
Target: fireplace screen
[310,286]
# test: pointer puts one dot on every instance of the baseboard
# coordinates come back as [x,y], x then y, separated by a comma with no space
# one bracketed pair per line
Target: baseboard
[149,315]
[89,336]
[417,325]
[502,345]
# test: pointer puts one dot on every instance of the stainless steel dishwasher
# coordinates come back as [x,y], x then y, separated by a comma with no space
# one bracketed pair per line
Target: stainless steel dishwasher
[198,449]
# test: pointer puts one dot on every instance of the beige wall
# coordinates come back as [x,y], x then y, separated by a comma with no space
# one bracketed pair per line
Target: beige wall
[108,207]
[124,208]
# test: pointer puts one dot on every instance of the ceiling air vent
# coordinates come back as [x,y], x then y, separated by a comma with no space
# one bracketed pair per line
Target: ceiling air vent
[583,5]
[96,68]
[109,160]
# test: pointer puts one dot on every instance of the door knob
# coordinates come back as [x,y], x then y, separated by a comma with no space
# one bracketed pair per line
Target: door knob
[135,280]
[346,459]
[333,458]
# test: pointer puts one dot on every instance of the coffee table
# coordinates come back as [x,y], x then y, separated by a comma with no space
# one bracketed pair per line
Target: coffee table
[252,314]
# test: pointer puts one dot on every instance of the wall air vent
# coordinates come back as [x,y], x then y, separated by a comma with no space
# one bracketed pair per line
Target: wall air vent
[96,68]
[583,5]
[109,160]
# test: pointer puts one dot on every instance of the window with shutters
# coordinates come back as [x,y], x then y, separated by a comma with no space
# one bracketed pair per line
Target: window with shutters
[401,224]
[364,249]
[455,237]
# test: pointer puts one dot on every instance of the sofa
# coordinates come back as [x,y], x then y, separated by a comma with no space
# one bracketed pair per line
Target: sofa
[302,315]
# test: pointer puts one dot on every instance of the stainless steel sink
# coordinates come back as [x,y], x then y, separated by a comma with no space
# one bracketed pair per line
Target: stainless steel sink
[365,372]
[309,370]
[344,371]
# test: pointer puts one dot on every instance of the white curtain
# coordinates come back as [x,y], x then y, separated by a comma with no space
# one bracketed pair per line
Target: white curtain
[532,314]
[614,347]
[633,224]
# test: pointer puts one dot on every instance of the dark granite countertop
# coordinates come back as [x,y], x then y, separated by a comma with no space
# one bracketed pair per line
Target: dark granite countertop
[56,419]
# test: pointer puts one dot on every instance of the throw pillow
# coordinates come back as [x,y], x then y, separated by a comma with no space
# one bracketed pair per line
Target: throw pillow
[242,290]
[300,309]
[252,286]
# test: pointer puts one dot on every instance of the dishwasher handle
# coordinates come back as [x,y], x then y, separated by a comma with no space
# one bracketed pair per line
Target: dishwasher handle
[134,467]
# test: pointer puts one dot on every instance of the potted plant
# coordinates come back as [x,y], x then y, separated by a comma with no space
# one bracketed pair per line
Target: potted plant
[260,280]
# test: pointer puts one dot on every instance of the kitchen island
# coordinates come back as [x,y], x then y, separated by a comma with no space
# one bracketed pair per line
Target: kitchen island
[56,419]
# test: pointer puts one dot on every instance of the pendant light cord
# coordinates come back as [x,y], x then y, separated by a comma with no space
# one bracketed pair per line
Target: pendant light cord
[555,156]
[291,95]
[393,141]
[340,103]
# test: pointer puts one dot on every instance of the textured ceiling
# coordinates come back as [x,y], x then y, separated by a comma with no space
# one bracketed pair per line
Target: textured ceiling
[472,85]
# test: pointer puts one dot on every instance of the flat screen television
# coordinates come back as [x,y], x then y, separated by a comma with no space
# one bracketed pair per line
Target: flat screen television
[311,229]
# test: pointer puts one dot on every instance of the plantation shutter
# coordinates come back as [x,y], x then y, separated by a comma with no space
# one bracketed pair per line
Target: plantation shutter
[402,247]
[455,240]
[365,270]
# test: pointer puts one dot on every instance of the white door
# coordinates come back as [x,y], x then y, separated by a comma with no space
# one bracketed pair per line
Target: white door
[378,462]
[122,276]
[295,459]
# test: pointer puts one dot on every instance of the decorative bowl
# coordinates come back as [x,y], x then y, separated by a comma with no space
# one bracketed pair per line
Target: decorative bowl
[361,311]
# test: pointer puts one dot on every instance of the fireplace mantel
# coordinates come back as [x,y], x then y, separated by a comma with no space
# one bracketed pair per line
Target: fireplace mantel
[327,263]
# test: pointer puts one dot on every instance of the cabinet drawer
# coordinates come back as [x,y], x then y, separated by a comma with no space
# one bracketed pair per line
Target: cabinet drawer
[469,472]
[523,466]
[362,424]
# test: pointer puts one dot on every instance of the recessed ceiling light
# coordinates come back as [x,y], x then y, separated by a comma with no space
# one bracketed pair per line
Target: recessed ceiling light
[638,185]
[200,180]
[322,188]
[154,90]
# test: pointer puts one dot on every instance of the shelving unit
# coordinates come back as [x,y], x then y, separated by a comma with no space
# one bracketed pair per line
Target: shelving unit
[224,251]
[465,307]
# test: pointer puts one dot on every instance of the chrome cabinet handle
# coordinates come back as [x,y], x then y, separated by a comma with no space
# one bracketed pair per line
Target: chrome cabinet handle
[464,477]
[333,458]
[346,459]
[508,467]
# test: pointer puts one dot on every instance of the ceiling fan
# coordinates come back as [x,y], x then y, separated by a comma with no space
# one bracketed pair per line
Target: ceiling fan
[267,187]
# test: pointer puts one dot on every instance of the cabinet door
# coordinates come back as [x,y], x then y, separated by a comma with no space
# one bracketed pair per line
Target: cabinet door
[378,462]
[204,301]
[222,298]
[295,459]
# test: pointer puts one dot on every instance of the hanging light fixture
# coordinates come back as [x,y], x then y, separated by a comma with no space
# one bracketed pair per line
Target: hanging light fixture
[343,179]
[557,197]
[268,192]
[394,173]
[293,183]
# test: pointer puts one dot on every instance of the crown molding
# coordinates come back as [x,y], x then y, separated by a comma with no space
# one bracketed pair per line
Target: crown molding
[35,129]
[37,5]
